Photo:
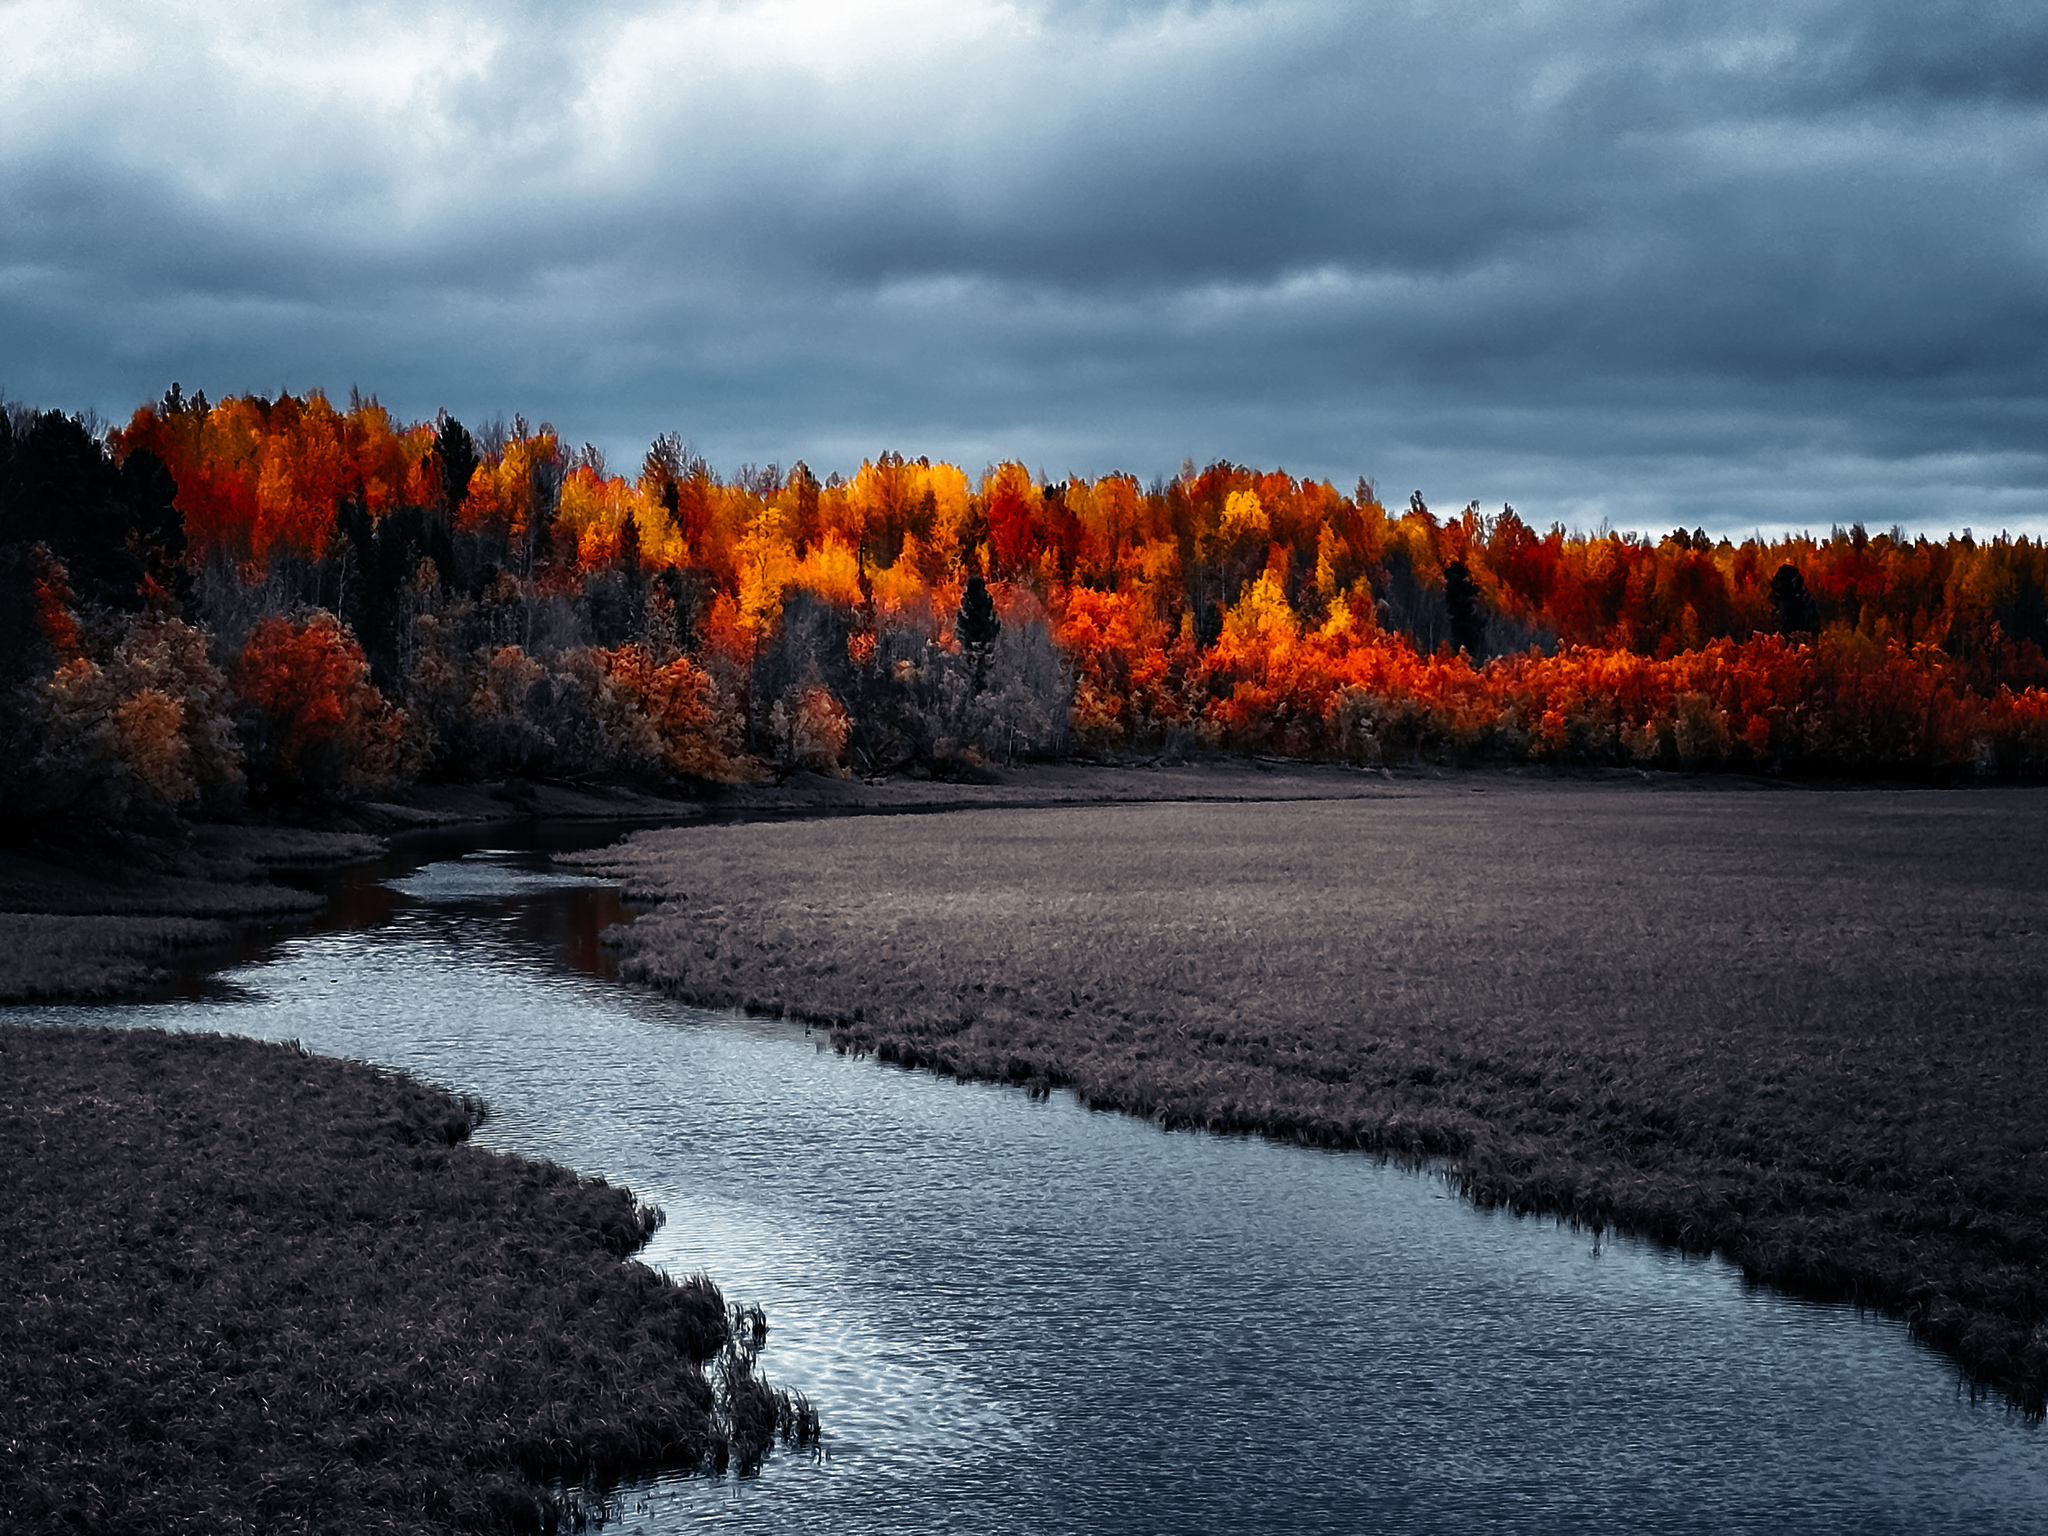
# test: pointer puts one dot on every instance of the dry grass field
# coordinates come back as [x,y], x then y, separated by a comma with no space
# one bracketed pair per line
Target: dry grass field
[1800,1028]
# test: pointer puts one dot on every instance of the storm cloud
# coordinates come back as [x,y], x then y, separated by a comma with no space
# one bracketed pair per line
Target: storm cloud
[1750,266]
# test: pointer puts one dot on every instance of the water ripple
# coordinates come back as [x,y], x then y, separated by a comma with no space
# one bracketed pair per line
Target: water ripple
[1018,1315]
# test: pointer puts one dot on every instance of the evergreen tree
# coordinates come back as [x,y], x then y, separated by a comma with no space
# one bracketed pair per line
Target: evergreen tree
[63,491]
[1797,614]
[1461,597]
[456,452]
[629,547]
[977,628]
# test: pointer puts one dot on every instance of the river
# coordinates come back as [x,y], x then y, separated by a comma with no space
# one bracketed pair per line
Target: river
[1018,1315]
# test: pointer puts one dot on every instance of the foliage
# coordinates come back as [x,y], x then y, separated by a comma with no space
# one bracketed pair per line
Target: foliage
[316,723]
[521,609]
[810,728]
[132,720]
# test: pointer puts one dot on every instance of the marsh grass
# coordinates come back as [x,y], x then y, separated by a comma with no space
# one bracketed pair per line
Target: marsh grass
[92,957]
[1801,1029]
[246,1289]
[754,1415]
[103,916]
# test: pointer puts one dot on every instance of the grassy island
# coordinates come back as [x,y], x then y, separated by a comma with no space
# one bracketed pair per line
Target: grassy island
[247,1289]
[1803,1029]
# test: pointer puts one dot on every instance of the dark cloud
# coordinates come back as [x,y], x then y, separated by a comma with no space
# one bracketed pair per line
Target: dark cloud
[1750,266]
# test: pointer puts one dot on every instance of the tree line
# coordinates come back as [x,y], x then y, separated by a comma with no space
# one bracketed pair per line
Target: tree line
[282,600]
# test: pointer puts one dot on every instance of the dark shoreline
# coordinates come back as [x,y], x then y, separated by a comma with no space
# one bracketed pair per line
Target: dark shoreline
[90,916]
[249,1288]
[98,916]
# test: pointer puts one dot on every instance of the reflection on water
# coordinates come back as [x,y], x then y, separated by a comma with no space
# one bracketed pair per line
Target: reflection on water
[1021,1316]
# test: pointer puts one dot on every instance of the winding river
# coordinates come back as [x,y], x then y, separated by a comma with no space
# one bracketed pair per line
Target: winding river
[1018,1315]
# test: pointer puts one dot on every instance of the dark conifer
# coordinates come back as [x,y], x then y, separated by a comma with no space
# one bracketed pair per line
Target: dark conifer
[805,525]
[978,627]
[63,491]
[1461,597]
[456,451]
[1795,608]
[151,496]
[629,547]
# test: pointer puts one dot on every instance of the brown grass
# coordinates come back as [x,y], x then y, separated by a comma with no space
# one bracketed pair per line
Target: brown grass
[247,1289]
[1803,1029]
[101,917]
[92,957]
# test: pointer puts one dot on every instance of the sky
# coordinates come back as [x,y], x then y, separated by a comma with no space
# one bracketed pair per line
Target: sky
[1741,266]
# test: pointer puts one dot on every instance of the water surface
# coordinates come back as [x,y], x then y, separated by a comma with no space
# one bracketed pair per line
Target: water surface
[1019,1315]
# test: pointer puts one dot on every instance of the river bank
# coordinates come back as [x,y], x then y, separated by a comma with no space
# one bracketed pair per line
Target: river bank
[1798,1028]
[251,1289]
[91,916]
[1020,1316]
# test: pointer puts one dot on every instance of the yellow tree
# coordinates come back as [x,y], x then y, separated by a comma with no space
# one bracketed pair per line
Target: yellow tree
[767,564]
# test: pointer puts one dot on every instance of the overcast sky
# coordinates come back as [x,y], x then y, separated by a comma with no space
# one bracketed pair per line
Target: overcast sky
[1778,265]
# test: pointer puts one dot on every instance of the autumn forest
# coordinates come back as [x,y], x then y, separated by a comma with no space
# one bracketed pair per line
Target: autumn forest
[284,602]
